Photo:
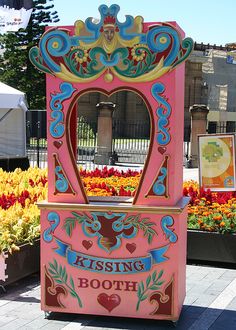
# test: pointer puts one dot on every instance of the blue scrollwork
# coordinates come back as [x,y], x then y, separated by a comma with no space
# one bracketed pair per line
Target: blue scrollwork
[159,188]
[159,40]
[163,113]
[109,228]
[166,222]
[61,182]
[57,127]
[54,221]
[150,53]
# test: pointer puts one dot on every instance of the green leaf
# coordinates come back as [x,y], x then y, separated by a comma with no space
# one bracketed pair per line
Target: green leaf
[160,283]
[150,224]
[160,274]
[155,287]
[151,230]
[72,283]
[153,57]
[148,280]
[149,239]
[59,281]
[51,271]
[60,271]
[63,272]
[69,225]
[142,286]
[77,215]
[73,293]
[65,277]
[56,264]
[144,297]
[52,266]
[154,274]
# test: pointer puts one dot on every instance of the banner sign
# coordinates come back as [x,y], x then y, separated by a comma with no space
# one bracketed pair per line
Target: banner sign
[108,265]
[14,14]
[217,162]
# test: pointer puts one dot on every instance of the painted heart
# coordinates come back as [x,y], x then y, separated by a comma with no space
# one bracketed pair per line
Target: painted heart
[162,150]
[131,247]
[109,302]
[87,244]
[58,144]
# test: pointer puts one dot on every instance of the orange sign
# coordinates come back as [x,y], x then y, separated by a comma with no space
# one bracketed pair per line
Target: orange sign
[217,162]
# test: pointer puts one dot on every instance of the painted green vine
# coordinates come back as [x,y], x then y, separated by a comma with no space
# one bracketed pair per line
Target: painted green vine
[141,224]
[152,283]
[60,276]
[71,222]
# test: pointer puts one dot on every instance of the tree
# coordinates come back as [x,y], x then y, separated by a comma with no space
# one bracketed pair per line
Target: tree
[16,69]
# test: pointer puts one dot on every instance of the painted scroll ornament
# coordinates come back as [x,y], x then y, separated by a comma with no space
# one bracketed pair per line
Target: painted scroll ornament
[57,125]
[62,183]
[163,300]
[159,187]
[110,48]
[110,229]
[54,220]
[56,273]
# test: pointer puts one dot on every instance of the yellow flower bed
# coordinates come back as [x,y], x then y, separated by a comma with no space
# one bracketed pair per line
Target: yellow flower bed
[20,190]
[19,215]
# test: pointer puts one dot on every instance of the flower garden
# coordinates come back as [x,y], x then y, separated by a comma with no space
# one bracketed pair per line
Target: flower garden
[21,190]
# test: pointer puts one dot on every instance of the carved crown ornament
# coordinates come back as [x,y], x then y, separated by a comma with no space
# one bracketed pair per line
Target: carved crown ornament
[111,48]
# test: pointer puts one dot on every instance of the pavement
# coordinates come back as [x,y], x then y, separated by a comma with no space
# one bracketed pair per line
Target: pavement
[210,303]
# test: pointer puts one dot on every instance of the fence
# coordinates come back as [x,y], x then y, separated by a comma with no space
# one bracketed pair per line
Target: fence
[130,140]
[36,138]
[129,145]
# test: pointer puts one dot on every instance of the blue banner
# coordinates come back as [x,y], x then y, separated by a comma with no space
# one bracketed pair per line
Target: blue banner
[111,266]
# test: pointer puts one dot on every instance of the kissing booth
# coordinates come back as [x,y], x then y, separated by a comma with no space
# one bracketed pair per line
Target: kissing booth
[114,256]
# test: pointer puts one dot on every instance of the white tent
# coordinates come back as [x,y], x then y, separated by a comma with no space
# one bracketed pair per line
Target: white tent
[13,106]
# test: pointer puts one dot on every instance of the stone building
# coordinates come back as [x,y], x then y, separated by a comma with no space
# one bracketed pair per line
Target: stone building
[210,79]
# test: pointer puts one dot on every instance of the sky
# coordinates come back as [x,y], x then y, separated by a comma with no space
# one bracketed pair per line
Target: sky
[207,21]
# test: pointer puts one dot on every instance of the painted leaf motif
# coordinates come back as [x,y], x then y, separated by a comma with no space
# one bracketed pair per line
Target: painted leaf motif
[144,297]
[154,274]
[160,274]
[72,283]
[148,280]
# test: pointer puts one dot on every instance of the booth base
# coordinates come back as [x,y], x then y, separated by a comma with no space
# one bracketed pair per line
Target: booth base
[113,259]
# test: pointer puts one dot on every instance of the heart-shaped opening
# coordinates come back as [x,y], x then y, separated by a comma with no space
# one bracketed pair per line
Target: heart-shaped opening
[110,129]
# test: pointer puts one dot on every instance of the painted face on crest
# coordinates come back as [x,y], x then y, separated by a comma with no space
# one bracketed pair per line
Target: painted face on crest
[109,33]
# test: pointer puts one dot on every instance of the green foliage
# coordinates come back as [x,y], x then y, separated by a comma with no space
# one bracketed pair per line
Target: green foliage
[142,224]
[16,69]
[70,222]
[60,276]
[153,283]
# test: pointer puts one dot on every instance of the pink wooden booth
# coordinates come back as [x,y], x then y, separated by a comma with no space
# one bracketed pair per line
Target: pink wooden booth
[114,257]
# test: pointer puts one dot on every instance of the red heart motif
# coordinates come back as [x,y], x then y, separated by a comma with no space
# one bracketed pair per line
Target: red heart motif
[109,302]
[58,144]
[162,150]
[87,244]
[131,247]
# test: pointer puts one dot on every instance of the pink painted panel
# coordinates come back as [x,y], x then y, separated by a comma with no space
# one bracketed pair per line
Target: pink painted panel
[100,262]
